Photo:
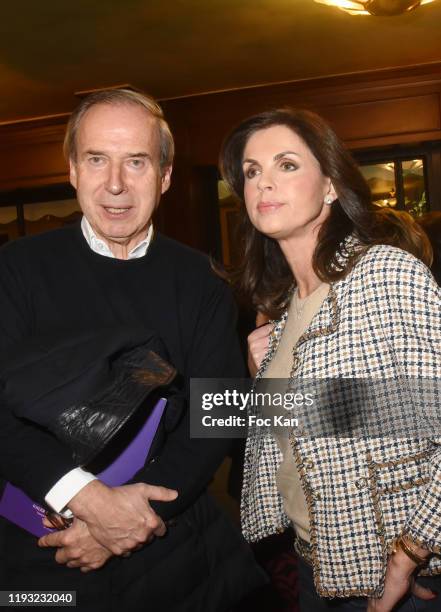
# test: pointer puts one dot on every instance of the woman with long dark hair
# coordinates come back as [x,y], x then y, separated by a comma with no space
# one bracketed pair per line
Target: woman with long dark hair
[344,305]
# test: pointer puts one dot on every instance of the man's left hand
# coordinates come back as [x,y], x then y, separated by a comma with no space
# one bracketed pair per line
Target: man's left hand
[76,547]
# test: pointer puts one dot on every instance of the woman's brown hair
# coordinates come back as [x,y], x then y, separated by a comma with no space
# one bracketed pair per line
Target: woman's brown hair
[405,232]
[264,277]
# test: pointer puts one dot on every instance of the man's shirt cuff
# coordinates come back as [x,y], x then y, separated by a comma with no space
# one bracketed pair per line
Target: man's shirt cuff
[67,487]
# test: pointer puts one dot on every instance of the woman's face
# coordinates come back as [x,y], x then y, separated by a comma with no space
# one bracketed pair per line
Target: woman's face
[284,188]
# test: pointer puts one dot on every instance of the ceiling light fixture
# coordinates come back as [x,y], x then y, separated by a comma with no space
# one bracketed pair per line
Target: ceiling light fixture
[379,8]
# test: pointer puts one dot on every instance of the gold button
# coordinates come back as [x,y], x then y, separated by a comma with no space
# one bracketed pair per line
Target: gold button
[361,483]
[309,464]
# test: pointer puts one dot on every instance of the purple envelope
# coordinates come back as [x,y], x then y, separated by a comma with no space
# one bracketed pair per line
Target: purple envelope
[18,508]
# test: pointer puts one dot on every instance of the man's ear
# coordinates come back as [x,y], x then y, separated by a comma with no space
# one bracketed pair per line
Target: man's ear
[73,173]
[166,178]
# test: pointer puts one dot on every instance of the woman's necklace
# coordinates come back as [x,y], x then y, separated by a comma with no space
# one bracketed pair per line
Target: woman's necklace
[299,305]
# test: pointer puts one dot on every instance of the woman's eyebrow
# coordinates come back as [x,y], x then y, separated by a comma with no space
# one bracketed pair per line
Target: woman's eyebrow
[280,155]
[249,160]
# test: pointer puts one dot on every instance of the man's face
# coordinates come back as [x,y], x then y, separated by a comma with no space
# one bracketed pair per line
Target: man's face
[117,174]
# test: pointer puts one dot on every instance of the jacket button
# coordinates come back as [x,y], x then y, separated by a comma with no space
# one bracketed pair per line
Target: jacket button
[309,464]
[318,496]
[361,483]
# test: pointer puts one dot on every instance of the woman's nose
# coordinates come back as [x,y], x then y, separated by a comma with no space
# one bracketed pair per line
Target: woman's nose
[265,181]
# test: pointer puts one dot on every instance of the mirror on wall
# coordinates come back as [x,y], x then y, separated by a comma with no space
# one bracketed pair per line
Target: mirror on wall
[399,184]
[8,224]
[43,216]
[28,212]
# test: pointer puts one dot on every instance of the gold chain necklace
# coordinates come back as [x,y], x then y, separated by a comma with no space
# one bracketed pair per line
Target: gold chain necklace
[299,305]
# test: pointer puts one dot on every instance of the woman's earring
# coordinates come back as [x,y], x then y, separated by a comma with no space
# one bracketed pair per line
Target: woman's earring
[328,200]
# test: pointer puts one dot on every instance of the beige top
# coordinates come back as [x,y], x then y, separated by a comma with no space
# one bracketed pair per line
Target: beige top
[300,315]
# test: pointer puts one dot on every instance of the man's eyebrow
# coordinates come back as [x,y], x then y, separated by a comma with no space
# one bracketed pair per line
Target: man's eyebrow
[140,154]
[93,152]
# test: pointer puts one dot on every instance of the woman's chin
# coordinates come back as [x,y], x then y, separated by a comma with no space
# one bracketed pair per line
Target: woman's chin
[271,228]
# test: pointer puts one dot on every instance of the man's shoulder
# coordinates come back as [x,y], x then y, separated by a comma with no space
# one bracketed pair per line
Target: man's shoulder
[183,257]
[181,251]
[193,268]
[39,243]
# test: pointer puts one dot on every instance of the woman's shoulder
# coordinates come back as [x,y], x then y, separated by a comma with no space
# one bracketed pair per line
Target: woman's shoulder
[385,260]
[385,269]
[386,253]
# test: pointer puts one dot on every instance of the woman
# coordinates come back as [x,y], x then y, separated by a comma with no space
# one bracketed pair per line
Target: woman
[365,510]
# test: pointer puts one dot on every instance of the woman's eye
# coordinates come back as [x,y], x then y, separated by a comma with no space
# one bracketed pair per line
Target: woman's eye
[251,172]
[288,165]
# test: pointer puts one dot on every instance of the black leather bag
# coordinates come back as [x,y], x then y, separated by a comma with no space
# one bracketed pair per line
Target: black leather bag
[84,388]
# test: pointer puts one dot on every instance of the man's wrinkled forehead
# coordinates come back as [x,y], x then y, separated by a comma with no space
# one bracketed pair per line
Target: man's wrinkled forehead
[118,127]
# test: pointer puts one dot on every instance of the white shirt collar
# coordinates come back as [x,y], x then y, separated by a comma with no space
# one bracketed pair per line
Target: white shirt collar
[99,246]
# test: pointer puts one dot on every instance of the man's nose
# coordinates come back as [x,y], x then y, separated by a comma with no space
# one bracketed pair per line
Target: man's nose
[115,182]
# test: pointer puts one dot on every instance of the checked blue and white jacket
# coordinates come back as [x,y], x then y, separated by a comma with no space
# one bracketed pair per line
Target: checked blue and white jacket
[383,320]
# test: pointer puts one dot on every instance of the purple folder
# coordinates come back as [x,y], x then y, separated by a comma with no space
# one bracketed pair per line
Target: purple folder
[17,507]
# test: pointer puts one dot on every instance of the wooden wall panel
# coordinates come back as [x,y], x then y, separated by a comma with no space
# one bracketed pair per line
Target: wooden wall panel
[403,116]
[31,153]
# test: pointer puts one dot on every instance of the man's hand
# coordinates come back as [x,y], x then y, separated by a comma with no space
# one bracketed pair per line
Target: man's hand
[399,580]
[120,518]
[76,547]
[257,347]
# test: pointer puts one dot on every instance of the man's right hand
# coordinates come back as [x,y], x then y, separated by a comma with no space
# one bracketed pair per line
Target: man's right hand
[121,518]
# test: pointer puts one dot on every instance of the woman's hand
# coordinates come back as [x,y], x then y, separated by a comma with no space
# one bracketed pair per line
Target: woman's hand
[257,347]
[399,581]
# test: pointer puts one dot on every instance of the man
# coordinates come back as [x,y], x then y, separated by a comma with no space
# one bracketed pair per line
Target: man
[115,270]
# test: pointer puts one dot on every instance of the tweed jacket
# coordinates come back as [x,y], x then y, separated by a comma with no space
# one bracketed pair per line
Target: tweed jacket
[382,320]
